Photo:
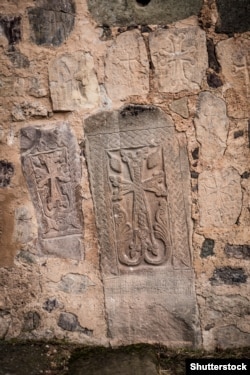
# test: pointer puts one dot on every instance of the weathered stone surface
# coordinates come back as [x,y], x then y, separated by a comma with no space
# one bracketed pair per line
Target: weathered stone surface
[73,82]
[231,337]
[51,165]
[207,248]
[26,110]
[132,12]
[122,362]
[179,57]
[10,26]
[74,283]
[69,322]
[5,319]
[127,66]
[180,107]
[51,21]
[233,56]
[237,251]
[24,230]
[6,172]
[232,304]
[18,59]
[211,123]
[140,179]
[31,321]
[220,197]
[234,16]
[228,276]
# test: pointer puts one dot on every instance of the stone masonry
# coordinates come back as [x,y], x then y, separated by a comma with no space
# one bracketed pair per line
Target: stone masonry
[125,172]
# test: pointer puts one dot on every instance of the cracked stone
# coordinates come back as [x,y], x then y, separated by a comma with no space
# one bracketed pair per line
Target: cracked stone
[31,321]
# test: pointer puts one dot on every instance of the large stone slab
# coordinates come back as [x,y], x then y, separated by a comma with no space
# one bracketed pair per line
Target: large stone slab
[212,125]
[233,55]
[220,197]
[52,169]
[131,12]
[73,82]
[233,16]
[140,183]
[127,66]
[51,21]
[179,57]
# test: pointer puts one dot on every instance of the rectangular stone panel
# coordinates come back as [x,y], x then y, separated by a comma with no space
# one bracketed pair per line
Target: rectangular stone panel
[179,57]
[140,183]
[51,166]
[142,12]
[127,66]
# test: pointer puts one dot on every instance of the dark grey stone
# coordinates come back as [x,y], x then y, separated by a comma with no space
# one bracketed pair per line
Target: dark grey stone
[234,16]
[142,12]
[31,321]
[50,304]
[51,21]
[18,59]
[6,172]
[238,251]
[11,26]
[207,248]
[212,59]
[69,322]
[229,276]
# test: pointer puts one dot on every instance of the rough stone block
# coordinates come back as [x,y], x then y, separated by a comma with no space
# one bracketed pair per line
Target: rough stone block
[233,56]
[220,197]
[140,183]
[207,248]
[179,57]
[51,165]
[74,283]
[234,16]
[212,125]
[69,322]
[228,276]
[6,172]
[51,21]
[10,26]
[73,82]
[127,66]
[133,12]
[237,251]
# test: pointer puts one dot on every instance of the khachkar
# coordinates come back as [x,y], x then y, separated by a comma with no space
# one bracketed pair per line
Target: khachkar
[140,184]
[52,169]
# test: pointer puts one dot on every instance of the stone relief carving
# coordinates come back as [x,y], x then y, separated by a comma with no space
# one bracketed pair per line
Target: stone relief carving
[233,56]
[73,82]
[134,176]
[139,227]
[179,57]
[139,176]
[52,170]
[126,66]
[220,197]
[212,125]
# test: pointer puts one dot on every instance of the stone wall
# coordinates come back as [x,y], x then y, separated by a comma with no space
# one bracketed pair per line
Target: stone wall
[124,171]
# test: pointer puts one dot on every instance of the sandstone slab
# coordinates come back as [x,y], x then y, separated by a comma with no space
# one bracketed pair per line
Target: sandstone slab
[127,67]
[131,12]
[212,125]
[180,58]
[140,182]
[233,55]
[52,169]
[73,82]
[220,197]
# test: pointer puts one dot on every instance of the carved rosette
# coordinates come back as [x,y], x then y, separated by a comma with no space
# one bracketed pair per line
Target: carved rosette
[52,170]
